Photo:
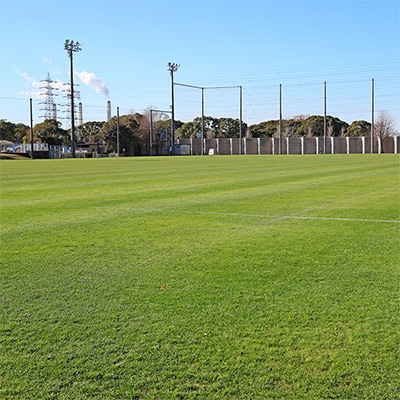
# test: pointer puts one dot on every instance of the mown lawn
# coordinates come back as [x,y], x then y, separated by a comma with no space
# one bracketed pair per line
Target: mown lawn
[226,277]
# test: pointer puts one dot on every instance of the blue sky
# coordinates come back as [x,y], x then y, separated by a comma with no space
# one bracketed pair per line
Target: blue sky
[126,46]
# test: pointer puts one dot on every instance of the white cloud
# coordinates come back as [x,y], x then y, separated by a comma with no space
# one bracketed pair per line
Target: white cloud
[32,81]
[36,94]
[39,87]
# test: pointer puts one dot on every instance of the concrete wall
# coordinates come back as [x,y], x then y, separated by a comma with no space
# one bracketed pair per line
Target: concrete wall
[293,145]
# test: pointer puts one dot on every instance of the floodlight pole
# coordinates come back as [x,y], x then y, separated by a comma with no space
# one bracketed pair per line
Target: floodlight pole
[172,67]
[70,46]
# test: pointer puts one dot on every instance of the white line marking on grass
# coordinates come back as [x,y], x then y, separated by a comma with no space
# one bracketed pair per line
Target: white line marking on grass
[276,217]
[386,221]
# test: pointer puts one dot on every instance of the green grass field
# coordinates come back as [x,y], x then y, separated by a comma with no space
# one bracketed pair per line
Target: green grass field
[226,277]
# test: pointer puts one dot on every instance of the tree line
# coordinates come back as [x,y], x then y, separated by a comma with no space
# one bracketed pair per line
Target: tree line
[134,130]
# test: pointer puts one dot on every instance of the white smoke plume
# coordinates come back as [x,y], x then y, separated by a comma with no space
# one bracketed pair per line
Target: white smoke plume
[90,79]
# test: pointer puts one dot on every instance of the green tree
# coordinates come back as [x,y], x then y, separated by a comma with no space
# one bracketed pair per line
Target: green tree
[128,135]
[314,126]
[359,128]
[89,131]
[213,128]
[264,129]
[12,132]
[21,130]
[230,128]
[7,130]
[144,130]
[50,132]
[189,129]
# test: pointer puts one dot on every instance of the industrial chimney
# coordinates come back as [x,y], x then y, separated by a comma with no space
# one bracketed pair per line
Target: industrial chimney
[80,114]
[54,111]
[108,110]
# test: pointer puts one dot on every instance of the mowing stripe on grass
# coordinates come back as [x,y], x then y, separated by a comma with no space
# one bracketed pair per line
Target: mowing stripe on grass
[200,278]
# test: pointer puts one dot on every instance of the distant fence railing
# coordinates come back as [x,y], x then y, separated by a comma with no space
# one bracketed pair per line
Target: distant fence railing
[291,145]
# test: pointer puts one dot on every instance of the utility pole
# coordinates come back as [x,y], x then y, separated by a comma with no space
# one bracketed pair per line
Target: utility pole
[172,67]
[372,116]
[202,119]
[72,47]
[240,115]
[280,118]
[117,131]
[324,117]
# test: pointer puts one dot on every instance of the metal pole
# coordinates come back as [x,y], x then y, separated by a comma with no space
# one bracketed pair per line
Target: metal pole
[280,119]
[172,112]
[202,119]
[72,104]
[372,116]
[151,133]
[118,131]
[151,120]
[71,47]
[31,117]
[172,67]
[324,117]
[240,117]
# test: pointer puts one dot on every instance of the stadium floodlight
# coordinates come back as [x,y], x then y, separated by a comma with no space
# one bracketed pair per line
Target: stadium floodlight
[172,67]
[72,47]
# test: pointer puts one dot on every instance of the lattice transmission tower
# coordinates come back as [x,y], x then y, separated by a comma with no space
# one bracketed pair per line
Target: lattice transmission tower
[67,105]
[50,107]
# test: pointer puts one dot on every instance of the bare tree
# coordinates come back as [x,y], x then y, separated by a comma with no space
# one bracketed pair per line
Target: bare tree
[329,131]
[287,131]
[384,125]
[300,117]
